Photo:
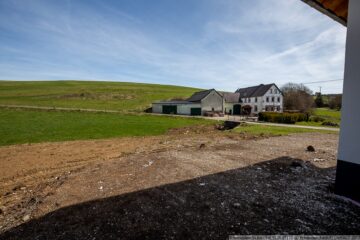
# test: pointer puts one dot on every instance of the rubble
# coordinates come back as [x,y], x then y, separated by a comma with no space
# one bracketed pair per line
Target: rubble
[310,148]
[26,218]
[319,159]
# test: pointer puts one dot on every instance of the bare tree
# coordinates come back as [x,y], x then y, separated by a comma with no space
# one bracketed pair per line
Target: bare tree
[297,97]
[335,102]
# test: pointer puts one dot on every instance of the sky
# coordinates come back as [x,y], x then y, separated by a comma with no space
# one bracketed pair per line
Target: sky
[221,44]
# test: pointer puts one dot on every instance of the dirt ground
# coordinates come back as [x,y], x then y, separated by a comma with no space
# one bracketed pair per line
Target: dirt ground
[192,184]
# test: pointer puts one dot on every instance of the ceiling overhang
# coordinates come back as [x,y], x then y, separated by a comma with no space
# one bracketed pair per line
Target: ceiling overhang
[335,9]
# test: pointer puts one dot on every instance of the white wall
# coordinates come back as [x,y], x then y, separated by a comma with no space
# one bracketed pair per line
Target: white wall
[228,107]
[212,101]
[156,108]
[349,144]
[271,93]
[185,109]
[182,109]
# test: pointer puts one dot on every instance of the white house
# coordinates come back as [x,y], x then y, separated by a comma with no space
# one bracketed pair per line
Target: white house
[261,98]
[244,101]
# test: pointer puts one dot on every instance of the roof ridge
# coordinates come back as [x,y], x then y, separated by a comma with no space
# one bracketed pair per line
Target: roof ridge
[255,91]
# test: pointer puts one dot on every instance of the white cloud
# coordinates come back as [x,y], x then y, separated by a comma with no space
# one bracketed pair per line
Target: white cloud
[264,41]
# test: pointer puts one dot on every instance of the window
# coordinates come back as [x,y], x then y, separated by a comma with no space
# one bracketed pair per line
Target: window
[267,99]
[271,91]
[249,99]
[255,108]
[272,99]
[275,91]
[212,109]
[256,99]
[278,99]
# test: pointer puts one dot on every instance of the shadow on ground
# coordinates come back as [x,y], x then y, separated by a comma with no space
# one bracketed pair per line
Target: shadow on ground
[280,196]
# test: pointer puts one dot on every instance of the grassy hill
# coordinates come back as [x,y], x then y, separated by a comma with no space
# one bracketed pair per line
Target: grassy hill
[121,96]
[30,126]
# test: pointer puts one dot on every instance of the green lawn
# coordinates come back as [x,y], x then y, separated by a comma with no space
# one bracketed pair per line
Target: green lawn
[329,114]
[121,96]
[325,113]
[30,126]
[256,129]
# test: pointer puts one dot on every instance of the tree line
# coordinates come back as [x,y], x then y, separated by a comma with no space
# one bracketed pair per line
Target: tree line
[298,97]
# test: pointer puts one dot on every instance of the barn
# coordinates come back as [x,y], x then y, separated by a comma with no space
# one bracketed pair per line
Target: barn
[198,104]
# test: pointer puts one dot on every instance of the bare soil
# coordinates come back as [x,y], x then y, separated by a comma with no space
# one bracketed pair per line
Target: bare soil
[188,184]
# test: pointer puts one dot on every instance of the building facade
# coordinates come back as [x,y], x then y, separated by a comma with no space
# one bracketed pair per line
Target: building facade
[245,101]
[261,98]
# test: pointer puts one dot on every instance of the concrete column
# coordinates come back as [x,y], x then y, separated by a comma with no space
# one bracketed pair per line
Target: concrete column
[348,165]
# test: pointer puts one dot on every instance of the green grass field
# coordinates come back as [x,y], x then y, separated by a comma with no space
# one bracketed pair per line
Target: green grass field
[325,113]
[31,126]
[274,130]
[328,114]
[121,96]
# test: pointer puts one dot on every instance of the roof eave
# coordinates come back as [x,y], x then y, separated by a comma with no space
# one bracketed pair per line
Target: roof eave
[318,6]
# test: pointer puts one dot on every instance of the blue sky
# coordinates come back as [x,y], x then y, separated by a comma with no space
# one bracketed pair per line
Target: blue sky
[222,44]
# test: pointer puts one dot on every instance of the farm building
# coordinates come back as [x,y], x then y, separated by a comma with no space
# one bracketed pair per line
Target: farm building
[199,103]
[245,101]
[232,104]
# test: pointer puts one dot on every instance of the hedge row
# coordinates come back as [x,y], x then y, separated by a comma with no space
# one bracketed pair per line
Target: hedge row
[282,117]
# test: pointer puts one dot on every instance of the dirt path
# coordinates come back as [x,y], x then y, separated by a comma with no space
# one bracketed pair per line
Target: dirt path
[182,185]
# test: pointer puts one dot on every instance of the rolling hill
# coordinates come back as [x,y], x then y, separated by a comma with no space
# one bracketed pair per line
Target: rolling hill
[120,96]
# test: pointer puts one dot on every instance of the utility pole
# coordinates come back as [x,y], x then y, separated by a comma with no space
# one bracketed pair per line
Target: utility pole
[320,89]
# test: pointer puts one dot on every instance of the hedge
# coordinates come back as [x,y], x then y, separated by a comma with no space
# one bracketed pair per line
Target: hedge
[282,117]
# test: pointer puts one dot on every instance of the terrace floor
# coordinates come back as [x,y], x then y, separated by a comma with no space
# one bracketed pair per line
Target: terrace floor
[192,184]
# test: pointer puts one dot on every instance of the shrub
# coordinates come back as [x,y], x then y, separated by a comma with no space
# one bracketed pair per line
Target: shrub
[331,124]
[316,119]
[282,117]
[335,102]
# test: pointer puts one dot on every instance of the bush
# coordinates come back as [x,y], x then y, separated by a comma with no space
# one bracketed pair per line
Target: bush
[331,124]
[282,117]
[316,119]
[335,102]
